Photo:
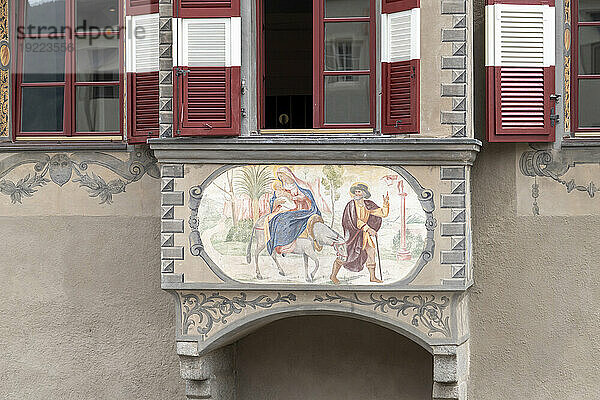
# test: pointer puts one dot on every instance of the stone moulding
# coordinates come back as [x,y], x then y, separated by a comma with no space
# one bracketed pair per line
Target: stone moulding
[215,319]
[309,150]
[426,198]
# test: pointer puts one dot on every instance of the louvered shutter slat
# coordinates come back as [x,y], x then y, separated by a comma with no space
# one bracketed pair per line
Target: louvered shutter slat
[400,69]
[207,8]
[520,71]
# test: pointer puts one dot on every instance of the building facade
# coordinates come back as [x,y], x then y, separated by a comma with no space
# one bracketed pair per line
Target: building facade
[263,199]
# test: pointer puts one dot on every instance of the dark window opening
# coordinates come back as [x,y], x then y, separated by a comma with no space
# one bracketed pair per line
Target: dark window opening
[288,48]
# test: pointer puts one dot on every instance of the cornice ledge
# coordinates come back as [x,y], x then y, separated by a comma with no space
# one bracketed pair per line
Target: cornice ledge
[310,150]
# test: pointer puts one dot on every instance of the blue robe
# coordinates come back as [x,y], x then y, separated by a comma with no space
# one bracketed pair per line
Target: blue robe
[285,228]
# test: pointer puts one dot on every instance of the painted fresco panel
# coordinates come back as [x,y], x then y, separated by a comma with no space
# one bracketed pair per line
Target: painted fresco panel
[299,224]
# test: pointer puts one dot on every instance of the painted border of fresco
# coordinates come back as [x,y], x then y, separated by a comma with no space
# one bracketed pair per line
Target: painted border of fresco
[426,198]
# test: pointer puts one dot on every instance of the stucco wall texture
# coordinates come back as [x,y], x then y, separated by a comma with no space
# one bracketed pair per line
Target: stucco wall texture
[535,304]
[82,315]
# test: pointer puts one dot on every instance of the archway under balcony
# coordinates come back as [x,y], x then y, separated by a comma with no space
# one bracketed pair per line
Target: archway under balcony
[330,357]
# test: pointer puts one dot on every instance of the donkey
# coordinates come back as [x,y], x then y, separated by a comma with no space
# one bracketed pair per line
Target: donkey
[324,236]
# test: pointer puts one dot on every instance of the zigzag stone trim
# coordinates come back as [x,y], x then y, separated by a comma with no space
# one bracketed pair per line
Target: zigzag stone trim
[170,198]
[166,68]
[456,229]
[456,35]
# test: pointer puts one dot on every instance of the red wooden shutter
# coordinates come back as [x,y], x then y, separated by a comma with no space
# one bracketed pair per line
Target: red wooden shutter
[520,71]
[400,66]
[392,6]
[142,76]
[144,106]
[207,71]
[207,8]
[139,7]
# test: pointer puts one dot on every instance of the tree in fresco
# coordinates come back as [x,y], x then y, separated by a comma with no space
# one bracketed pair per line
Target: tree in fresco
[332,181]
[254,181]
[230,195]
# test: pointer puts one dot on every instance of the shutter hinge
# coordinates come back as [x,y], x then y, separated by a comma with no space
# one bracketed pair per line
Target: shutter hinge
[414,72]
[243,87]
[244,113]
[181,71]
[554,118]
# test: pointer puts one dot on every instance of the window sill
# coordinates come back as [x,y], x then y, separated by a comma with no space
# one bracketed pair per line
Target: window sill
[315,131]
[57,145]
[579,141]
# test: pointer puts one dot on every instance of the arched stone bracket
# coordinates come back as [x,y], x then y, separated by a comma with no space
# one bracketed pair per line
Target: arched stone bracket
[211,374]
[215,319]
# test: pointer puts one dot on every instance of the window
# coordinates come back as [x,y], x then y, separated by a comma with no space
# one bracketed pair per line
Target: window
[318,64]
[586,66]
[344,61]
[316,67]
[68,83]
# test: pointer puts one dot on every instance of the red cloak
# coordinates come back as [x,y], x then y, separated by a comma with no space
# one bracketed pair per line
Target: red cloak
[356,256]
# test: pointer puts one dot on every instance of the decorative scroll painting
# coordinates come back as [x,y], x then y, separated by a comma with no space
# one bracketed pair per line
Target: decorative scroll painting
[325,224]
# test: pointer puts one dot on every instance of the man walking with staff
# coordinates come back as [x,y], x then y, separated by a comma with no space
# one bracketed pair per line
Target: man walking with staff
[361,221]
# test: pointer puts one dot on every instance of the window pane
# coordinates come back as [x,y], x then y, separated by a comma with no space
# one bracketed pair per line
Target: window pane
[45,13]
[42,109]
[97,59]
[347,99]
[44,60]
[97,108]
[346,8]
[589,10]
[589,103]
[589,50]
[94,15]
[346,46]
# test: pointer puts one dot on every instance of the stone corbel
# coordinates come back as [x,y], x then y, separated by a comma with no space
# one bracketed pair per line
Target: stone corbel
[210,376]
[450,372]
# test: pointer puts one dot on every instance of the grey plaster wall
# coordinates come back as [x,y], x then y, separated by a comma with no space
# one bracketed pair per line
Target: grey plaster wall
[535,304]
[331,358]
[72,323]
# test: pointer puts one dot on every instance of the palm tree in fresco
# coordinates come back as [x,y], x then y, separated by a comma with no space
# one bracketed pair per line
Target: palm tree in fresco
[254,181]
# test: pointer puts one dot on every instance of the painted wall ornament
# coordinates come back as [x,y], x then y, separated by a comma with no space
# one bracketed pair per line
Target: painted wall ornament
[62,168]
[554,165]
[211,316]
[316,224]
[202,311]
[425,310]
